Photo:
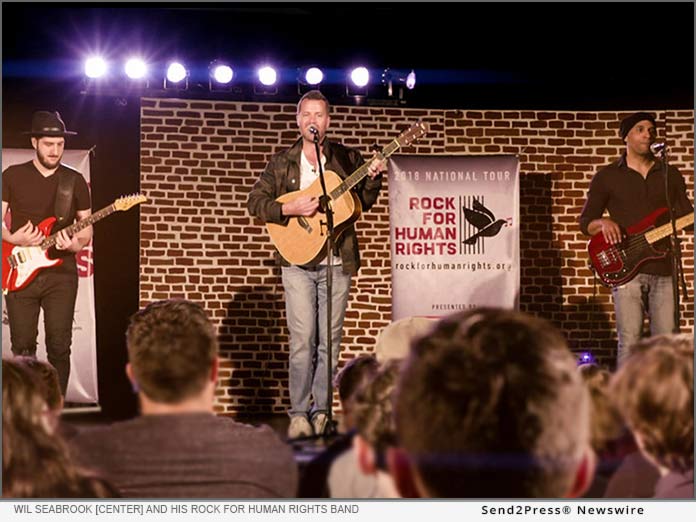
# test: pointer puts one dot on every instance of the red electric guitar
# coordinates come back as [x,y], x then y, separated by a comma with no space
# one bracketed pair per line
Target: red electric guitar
[617,264]
[20,264]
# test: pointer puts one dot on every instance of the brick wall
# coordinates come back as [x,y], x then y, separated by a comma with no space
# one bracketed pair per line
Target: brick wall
[199,160]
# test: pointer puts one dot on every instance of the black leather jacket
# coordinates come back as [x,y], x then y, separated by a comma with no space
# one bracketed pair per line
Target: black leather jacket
[282,175]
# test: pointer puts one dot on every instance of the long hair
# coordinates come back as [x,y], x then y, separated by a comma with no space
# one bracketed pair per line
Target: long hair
[35,461]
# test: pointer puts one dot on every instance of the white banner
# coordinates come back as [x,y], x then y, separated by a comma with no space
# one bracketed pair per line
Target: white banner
[82,386]
[454,229]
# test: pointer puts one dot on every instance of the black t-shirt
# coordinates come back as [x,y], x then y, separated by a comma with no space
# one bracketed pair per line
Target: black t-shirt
[31,197]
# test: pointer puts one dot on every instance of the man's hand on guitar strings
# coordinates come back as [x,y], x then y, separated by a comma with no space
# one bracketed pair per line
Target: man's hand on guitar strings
[611,231]
[28,235]
[301,206]
[64,242]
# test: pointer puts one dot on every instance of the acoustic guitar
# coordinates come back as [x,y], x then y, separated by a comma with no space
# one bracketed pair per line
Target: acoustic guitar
[302,240]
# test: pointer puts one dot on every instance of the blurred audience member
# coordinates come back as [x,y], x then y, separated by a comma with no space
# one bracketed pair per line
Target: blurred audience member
[490,404]
[35,461]
[394,341]
[48,379]
[361,472]
[357,371]
[614,444]
[178,447]
[654,390]
[349,380]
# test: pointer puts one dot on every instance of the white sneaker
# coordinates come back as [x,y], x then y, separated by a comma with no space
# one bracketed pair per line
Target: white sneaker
[299,427]
[319,423]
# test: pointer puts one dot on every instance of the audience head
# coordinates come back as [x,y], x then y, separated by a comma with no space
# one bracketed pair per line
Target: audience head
[394,341]
[35,461]
[606,424]
[48,379]
[490,404]
[374,420]
[172,351]
[654,391]
[352,376]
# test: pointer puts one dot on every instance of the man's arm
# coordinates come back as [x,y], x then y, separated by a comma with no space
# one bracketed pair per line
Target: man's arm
[682,205]
[261,202]
[370,187]
[608,227]
[591,220]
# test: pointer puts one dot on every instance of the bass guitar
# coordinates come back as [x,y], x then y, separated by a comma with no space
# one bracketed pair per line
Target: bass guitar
[21,264]
[618,264]
[302,239]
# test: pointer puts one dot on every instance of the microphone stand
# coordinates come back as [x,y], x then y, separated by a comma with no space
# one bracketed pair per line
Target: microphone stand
[325,206]
[677,270]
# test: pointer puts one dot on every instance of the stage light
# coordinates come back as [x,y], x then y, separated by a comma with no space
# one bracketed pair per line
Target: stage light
[314,76]
[267,75]
[360,76]
[267,78]
[309,78]
[586,358]
[221,75]
[357,85]
[176,72]
[400,79]
[177,77]
[135,69]
[95,67]
[411,80]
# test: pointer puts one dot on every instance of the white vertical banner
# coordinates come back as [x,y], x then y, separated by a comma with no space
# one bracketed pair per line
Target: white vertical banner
[82,386]
[454,230]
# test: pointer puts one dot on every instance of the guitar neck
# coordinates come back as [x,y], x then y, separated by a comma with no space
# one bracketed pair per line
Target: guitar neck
[665,230]
[82,224]
[362,171]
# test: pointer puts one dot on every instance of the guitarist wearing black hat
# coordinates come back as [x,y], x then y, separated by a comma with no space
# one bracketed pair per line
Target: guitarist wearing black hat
[630,189]
[36,190]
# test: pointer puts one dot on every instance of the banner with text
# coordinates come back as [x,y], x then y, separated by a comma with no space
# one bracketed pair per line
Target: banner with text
[454,229]
[82,386]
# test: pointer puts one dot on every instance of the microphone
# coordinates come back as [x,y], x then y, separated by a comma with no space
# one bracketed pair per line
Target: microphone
[315,132]
[658,148]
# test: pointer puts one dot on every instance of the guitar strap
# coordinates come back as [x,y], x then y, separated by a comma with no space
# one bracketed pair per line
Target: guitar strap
[64,199]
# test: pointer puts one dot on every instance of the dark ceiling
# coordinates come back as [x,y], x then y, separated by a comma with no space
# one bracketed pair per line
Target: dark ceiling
[496,55]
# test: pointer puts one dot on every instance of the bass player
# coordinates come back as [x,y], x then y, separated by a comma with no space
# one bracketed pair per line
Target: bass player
[630,188]
[34,191]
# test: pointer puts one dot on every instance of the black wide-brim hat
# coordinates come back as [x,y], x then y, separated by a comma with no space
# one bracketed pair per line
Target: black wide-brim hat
[45,123]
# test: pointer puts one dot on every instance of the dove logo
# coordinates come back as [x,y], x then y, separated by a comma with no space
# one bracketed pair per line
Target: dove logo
[482,221]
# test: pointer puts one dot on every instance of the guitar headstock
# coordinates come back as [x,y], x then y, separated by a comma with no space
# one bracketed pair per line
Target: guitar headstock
[126,202]
[412,134]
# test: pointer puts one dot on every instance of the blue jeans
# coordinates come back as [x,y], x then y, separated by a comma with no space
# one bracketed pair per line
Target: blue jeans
[55,292]
[305,308]
[629,306]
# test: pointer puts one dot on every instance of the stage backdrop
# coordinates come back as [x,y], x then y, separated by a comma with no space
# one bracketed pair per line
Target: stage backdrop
[454,228]
[82,386]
